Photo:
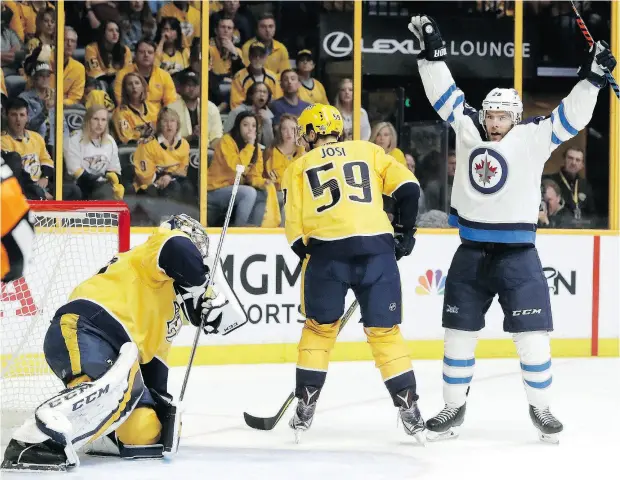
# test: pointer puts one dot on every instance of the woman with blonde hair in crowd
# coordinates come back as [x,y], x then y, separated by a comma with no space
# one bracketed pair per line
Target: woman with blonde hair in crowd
[384,135]
[134,119]
[284,151]
[91,157]
[161,163]
[344,103]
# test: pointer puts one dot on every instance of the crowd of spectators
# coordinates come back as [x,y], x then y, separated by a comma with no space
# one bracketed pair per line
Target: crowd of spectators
[131,89]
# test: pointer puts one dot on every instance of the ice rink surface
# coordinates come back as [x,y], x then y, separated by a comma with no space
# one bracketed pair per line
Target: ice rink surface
[354,434]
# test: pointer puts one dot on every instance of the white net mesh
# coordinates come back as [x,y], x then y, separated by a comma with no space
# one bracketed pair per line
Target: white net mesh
[69,247]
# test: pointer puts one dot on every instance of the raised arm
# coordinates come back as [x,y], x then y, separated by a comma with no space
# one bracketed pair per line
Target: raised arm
[441,90]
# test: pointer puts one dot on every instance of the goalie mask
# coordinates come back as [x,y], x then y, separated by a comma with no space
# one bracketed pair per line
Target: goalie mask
[505,100]
[194,230]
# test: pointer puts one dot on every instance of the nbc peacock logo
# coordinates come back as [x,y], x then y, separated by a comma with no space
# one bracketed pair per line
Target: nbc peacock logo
[431,283]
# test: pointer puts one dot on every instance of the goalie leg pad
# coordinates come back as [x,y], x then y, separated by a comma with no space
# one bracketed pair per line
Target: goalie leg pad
[94,409]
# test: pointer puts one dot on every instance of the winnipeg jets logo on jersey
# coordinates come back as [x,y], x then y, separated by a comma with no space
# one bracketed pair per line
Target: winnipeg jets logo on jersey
[488,170]
[174,324]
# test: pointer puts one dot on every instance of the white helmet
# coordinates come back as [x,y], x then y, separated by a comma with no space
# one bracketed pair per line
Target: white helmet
[193,229]
[502,99]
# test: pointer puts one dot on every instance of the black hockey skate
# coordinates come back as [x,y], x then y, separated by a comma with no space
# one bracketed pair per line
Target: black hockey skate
[409,414]
[304,413]
[46,456]
[446,424]
[548,426]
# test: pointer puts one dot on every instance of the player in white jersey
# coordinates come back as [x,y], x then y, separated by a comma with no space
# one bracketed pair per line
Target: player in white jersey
[495,200]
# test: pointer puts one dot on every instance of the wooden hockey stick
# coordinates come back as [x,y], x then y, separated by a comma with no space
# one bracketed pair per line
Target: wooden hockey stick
[268,423]
[586,33]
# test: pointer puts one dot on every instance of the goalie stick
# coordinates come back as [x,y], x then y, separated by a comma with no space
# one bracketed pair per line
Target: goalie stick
[586,33]
[268,423]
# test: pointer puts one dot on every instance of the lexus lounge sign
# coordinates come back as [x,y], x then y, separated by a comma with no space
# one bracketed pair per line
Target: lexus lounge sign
[476,48]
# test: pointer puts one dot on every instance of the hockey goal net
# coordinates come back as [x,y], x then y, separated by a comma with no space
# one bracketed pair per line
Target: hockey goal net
[73,240]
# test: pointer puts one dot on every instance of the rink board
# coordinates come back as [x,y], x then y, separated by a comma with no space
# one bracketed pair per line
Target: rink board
[582,271]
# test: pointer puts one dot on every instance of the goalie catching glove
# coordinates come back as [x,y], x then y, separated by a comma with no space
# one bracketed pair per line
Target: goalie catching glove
[432,46]
[199,305]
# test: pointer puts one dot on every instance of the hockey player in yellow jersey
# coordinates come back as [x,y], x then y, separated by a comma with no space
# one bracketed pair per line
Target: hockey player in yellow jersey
[109,345]
[335,223]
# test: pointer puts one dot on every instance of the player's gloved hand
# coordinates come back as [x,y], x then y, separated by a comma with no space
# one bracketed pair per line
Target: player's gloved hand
[299,248]
[598,61]
[211,301]
[404,241]
[432,46]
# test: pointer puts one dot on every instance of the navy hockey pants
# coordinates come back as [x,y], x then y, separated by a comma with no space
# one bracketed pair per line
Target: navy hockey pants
[479,271]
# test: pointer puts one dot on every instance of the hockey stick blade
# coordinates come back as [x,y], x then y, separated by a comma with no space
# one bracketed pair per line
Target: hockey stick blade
[259,423]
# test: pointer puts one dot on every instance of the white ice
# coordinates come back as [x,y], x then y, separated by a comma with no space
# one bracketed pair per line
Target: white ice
[354,435]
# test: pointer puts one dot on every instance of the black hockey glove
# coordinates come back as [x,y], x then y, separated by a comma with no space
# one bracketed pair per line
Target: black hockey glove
[404,241]
[432,46]
[599,60]
[299,248]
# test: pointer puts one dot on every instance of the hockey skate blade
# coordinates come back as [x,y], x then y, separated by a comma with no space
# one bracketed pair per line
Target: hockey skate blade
[298,435]
[550,438]
[9,466]
[450,434]
[420,438]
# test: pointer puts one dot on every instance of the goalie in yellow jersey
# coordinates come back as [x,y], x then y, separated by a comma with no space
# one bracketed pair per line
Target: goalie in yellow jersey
[109,345]
[336,224]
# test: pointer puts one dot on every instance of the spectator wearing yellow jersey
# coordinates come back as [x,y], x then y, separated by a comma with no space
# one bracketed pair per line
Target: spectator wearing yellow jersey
[236,148]
[107,56]
[45,37]
[29,12]
[161,163]
[187,15]
[254,72]
[277,55]
[161,91]
[384,135]
[170,55]
[134,119]
[281,154]
[311,90]
[74,72]
[226,58]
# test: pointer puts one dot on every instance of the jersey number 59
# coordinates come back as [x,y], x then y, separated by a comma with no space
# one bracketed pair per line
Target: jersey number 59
[333,184]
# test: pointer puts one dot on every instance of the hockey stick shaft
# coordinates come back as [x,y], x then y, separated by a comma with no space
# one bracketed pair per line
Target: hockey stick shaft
[216,263]
[268,423]
[590,40]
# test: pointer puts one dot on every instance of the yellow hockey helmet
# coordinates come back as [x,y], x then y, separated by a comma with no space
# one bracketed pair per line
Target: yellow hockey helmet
[322,119]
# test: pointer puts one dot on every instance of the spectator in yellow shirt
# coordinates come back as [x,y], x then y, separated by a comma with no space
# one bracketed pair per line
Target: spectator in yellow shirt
[277,54]
[236,148]
[29,12]
[311,90]
[281,154]
[107,56]
[161,91]
[45,33]
[74,72]
[161,163]
[170,54]
[254,72]
[187,15]
[36,160]
[384,135]
[227,59]
[134,119]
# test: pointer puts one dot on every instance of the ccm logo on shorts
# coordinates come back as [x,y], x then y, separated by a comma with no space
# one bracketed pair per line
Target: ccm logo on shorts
[527,311]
